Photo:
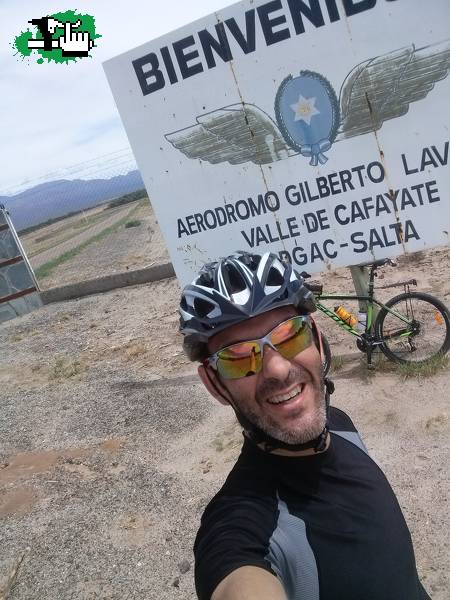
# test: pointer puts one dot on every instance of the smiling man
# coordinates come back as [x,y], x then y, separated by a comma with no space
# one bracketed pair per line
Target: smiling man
[305,514]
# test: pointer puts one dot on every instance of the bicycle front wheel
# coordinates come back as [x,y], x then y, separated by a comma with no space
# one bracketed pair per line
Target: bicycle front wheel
[413,328]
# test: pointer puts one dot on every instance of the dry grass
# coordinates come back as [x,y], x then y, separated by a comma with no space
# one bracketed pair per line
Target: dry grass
[337,363]
[415,370]
[64,368]
[133,223]
[437,423]
[134,349]
[16,337]
[426,369]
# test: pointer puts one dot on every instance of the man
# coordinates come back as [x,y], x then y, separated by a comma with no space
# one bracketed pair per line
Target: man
[305,514]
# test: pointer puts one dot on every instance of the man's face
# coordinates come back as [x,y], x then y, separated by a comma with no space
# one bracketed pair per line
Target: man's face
[286,398]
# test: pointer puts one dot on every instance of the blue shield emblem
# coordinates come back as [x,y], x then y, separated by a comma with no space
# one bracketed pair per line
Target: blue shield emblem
[307,112]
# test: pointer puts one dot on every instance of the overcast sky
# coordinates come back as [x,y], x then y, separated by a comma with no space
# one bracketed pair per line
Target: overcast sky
[54,116]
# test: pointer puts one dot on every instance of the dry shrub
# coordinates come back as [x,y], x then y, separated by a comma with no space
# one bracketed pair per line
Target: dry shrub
[134,349]
[64,368]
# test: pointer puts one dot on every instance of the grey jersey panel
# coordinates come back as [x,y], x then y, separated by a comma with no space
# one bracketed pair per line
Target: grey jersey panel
[353,437]
[290,553]
[291,557]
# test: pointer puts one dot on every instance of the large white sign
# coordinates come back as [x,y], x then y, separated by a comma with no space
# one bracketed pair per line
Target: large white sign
[318,129]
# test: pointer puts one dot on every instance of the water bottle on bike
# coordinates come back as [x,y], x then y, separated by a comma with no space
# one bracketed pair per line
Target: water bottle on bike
[345,315]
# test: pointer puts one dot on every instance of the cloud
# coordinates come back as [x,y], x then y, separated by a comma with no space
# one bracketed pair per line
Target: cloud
[55,115]
[97,129]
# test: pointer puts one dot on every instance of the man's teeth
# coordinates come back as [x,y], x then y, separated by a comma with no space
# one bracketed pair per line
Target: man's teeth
[284,397]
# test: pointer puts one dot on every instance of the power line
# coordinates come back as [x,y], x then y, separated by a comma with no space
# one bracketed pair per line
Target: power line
[113,163]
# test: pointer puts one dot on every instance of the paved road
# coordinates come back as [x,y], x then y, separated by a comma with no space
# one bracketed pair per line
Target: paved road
[43,257]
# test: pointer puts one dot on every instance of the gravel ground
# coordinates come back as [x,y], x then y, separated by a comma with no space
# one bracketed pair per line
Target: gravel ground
[110,448]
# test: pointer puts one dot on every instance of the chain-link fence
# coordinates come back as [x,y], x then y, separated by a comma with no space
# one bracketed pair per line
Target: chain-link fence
[88,222]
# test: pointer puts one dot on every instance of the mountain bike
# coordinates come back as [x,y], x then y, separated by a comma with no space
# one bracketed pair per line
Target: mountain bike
[412,327]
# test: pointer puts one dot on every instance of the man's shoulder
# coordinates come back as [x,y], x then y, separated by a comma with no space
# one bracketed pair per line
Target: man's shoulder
[339,420]
[247,483]
[248,490]
[342,426]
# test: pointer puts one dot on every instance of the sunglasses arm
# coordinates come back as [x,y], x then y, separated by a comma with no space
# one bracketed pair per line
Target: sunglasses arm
[213,384]
[317,336]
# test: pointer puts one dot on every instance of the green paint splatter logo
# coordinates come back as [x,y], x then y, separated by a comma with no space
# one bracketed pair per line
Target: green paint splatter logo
[62,38]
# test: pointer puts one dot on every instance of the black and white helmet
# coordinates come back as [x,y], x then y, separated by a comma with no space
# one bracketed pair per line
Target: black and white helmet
[236,288]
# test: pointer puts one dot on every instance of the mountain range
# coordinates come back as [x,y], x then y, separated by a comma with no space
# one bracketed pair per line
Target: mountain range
[58,198]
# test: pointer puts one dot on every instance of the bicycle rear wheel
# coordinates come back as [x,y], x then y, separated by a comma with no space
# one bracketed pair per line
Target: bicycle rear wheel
[418,330]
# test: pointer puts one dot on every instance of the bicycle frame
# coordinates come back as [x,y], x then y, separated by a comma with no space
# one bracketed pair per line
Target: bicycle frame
[370,306]
[332,315]
[368,335]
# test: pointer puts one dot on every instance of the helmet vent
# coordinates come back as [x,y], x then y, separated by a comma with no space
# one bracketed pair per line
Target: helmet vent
[274,278]
[205,280]
[234,281]
[203,307]
[253,262]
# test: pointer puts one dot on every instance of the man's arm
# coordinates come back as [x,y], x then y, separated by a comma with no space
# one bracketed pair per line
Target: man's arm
[249,583]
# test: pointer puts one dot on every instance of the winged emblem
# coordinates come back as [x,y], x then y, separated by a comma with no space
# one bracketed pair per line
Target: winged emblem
[308,116]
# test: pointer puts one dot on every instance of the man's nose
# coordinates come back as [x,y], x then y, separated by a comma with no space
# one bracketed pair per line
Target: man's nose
[274,365]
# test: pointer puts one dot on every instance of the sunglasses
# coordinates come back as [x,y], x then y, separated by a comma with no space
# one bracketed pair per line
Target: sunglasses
[243,359]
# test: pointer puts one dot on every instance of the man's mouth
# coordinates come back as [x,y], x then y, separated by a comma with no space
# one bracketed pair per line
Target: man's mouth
[282,398]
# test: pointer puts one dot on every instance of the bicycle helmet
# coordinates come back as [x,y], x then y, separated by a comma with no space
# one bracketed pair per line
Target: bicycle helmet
[237,288]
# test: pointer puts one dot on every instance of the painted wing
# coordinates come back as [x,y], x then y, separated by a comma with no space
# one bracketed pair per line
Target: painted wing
[382,88]
[236,134]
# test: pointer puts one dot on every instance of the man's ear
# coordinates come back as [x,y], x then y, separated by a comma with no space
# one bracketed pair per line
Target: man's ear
[213,385]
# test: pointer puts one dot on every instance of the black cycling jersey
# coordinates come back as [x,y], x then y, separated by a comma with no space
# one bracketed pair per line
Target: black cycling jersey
[327,525]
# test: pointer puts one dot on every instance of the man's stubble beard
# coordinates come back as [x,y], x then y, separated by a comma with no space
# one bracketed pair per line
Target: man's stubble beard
[308,427]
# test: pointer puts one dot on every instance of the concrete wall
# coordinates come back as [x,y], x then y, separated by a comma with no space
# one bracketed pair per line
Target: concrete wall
[107,283]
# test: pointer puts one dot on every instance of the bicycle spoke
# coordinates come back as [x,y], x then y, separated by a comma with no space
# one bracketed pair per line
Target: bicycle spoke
[424,336]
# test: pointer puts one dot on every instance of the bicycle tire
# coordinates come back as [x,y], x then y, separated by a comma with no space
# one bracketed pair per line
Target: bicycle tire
[326,362]
[429,329]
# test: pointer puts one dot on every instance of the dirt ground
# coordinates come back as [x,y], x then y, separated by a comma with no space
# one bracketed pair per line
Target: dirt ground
[122,249]
[110,448]
[49,236]
[99,223]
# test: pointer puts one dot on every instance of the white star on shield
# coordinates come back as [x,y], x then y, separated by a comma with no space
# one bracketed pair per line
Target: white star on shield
[304,109]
